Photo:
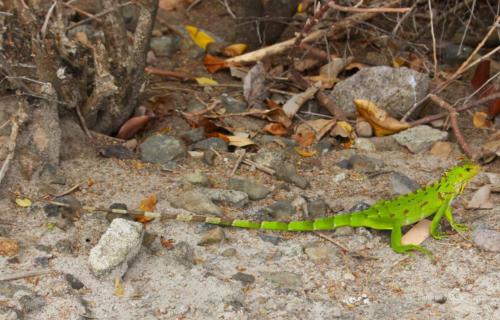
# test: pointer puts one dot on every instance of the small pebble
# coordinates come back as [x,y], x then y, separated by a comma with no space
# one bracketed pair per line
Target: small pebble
[213,236]
[73,281]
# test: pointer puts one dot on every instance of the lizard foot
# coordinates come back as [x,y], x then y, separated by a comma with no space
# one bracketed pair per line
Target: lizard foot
[459,227]
[438,235]
[409,247]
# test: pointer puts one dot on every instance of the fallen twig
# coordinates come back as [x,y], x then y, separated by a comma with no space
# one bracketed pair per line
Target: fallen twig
[454,123]
[471,105]
[17,122]
[335,6]
[24,274]
[262,168]
[464,67]
[238,162]
[335,32]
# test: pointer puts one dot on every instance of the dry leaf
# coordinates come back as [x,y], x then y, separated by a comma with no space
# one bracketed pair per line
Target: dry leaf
[305,64]
[204,81]
[169,5]
[168,244]
[305,153]
[382,123]
[418,233]
[276,129]
[119,290]
[234,49]
[332,69]
[399,62]
[238,72]
[254,89]
[342,129]
[239,141]
[297,100]
[481,199]
[214,64]
[304,138]
[132,126]
[480,120]
[199,37]
[481,75]
[23,202]
[319,126]
[148,204]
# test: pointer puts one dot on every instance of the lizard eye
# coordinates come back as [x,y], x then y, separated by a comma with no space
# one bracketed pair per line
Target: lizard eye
[467,169]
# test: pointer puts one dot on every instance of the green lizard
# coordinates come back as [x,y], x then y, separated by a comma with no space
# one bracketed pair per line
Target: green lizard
[383,215]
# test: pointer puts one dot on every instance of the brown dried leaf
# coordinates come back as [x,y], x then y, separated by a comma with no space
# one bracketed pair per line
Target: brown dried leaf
[214,64]
[297,100]
[254,88]
[234,49]
[480,120]
[276,129]
[148,204]
[382,123]
[132,126]
[342,129]
[239,141]
[311,131]
[481,75]
[168,244]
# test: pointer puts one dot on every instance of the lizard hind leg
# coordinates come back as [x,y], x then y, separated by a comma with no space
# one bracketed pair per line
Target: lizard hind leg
[398,247]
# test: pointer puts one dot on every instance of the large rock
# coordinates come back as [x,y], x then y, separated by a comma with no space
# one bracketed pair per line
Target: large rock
[197,202]
[392,89]
[420,138]
[162,149]
[116,248]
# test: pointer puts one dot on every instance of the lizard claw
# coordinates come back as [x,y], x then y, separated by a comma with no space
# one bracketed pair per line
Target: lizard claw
[438,235]
[459,227]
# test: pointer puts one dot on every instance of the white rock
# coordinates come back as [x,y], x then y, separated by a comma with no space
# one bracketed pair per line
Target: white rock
[116,248]
[420,138]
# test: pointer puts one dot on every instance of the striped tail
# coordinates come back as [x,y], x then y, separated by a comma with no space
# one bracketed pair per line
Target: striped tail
[355,219]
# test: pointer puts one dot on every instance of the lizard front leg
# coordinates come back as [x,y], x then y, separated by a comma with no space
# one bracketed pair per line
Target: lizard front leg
[455,226]
[397,246]
[436,234]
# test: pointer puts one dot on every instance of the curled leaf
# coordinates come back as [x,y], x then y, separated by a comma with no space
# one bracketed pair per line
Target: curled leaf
[199,37]
[480,120]
[239,141]
[132,126]
[23,202]
[204,81]
[382,123]
[276,129]
[342,129]
[254,88]
[234,49]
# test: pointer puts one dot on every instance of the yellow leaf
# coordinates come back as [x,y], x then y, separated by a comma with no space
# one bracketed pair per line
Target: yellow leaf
[300,8]
[398,62]
[305,153]
[480,120]
[342,129]
[23,202]
[239,141]
[148,204]
[382,123]
[200,37]
[119,290]
[234,49]
[204,81]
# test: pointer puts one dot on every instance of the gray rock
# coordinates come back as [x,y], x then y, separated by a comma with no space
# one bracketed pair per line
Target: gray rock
[280,210]
[364,129]
[209,157]
[392,89]
[229,252]
[117,151]
[401,184]
[344,231]
[73,281]
[284,279]
[42,261]
[317,208]
[30,303]
[164,46]
[321,253]
[211,143]
[229,197]
[420,138]
[360,206]
[184,254]
[213,236]
[117,247]
[244,278]
[487,239]
[162,149]
[64,246]
[231,104]
[254,190]
[271,239]
[365,144]
[197,202]
[288,173]
[270,158]
[197,178]
[387,143]
[192,136]
[362,163]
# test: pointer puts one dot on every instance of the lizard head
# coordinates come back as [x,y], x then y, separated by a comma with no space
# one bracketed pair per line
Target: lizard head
[462,173]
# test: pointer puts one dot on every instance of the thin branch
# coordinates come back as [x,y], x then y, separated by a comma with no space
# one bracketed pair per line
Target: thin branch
[454,123]
[434,50]
[380,10]
[100,14]
[22,275]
